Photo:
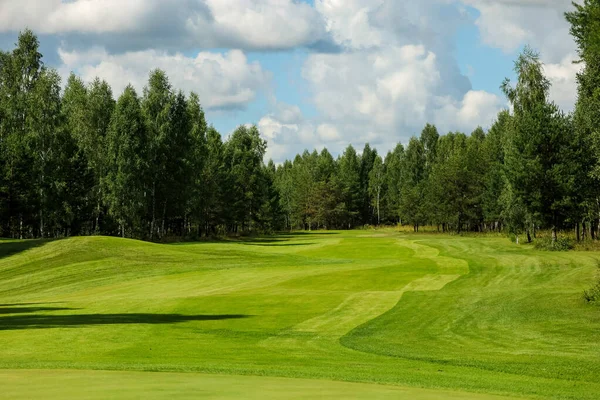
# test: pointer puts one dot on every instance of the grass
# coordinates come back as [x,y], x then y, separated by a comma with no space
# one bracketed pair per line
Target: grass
[405,316]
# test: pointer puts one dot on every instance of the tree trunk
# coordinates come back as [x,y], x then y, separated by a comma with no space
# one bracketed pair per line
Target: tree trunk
[97,229]
[42,222]
[163,219]
[578,232]
[378,215]
[554,234]
[153,210]
[528,236]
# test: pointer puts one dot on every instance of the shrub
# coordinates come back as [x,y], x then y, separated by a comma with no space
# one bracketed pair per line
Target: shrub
[561,244]
[592,295]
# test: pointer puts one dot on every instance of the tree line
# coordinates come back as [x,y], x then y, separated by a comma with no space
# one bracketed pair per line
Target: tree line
[77,161]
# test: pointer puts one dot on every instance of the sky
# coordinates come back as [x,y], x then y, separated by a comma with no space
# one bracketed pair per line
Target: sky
[311,73]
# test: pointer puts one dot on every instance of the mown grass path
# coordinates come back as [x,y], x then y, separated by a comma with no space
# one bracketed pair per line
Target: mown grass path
[447,313]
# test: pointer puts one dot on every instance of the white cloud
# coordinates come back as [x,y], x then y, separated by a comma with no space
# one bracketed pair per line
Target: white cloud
[383,88]
[142,24]
[391,93]
[509,24]
[267,24]
[563,76]
[380,96]
[396,73]
[477,108]
[89,16]
[222,80]
[287,137]
[328,133]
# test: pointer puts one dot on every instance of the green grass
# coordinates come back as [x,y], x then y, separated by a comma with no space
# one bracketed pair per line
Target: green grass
[407,316]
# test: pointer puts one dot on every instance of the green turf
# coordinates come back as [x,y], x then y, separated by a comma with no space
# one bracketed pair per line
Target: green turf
[447,313]
[103,385]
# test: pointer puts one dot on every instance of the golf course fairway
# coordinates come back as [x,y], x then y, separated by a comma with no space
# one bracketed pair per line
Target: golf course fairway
[359,314]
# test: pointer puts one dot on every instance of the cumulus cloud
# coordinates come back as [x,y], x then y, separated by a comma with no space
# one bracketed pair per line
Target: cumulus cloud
[173,24]
[508,24]
[382,97]
[563,76]
[223,81]
[287,133]
[396,73]
[477,108]
[382,88]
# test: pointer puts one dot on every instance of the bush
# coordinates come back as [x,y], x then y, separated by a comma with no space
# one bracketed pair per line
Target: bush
[592,295]
[561,244]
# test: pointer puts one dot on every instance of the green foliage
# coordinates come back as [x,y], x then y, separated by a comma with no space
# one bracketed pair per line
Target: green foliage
[127,147]
[560,244]
[592,295]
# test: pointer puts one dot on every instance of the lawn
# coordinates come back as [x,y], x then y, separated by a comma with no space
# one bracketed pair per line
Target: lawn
[400,315]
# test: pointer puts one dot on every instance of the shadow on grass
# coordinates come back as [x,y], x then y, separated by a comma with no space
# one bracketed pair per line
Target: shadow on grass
[307,233]
[8,309]
[10,247]
[30,304]
[17,322]
[275,244]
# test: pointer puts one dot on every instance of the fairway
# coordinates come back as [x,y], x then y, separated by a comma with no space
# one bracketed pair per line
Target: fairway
[300,315]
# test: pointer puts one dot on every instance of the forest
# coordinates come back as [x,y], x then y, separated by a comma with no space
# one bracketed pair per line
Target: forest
[76,160]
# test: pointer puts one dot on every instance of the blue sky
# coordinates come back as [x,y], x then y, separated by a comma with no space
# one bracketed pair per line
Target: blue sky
[309,73]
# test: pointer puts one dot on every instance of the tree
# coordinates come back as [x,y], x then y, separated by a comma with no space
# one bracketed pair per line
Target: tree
[412,183]
[157,106]
[19,74]
[197,158]
[101,105]
[349,178]
[243,161]
[376,181]
[76,116]
[284,184]
[367,159]
[127,146]
[214,185]
[494,178]
[393,181]
[538,147]
[429,138]
[585,29]
[44,124]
